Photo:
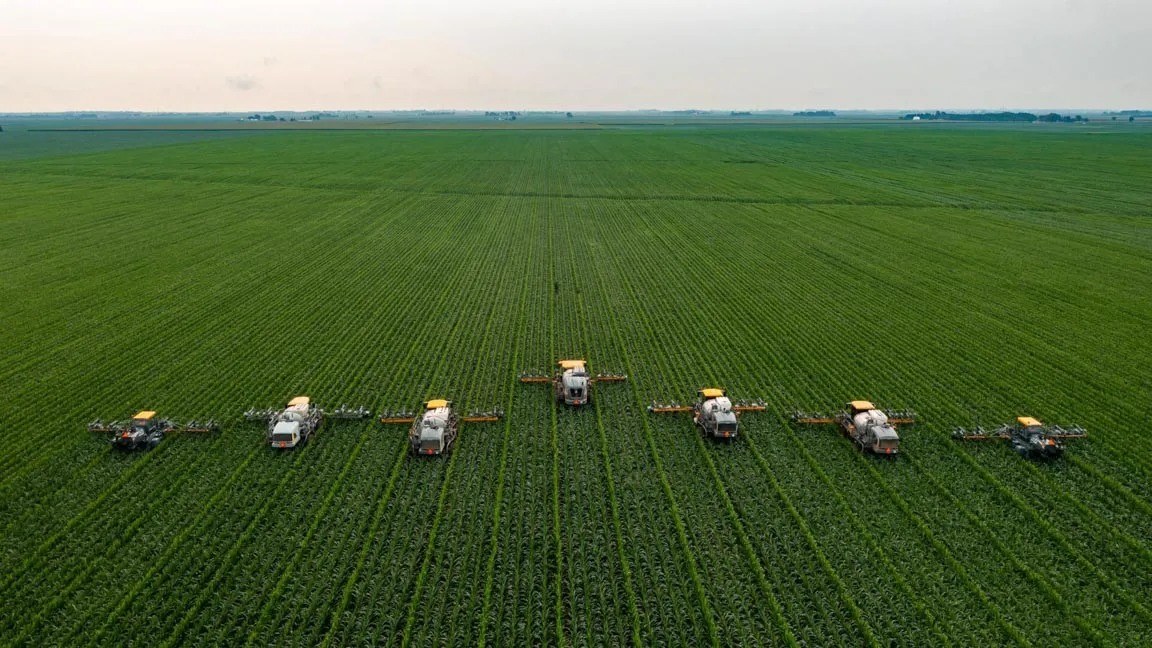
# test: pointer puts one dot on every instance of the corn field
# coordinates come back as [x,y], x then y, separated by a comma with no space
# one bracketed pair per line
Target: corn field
[971,274]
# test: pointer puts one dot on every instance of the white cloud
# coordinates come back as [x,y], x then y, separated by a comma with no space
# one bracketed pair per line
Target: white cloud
[242,83]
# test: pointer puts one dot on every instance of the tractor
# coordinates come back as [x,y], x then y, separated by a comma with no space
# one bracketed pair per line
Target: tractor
[573,384]
[713,412]
[434,431]
[298,421]
[1029,437]
[145,430]
[872,429]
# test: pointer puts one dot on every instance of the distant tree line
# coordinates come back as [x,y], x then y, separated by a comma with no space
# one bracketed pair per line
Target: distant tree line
[985,117]
[274,118]
[547,112]
[509,115]
[1066,119]
[997,117]
[814,113]
[740,113]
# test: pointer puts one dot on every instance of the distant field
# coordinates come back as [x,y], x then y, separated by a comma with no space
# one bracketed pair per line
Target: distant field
[962,271]
[18,143]
[329,125]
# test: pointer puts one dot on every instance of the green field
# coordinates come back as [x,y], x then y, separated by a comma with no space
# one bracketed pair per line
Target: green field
[960,271]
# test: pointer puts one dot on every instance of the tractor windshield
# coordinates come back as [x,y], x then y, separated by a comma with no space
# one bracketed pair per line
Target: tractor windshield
[281,436]
[729,428]
[576,392]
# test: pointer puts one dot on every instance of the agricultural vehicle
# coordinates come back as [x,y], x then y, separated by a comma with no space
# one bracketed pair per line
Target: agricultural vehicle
[1028,436]
[296,423]
[434,431]
[874,430]
[713,412]
[573,383]
[145,430]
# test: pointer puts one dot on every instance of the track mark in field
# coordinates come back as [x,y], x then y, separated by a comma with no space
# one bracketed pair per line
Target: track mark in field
[629,589]
[175,544]
[1041,581]
[681,533]
[490,569]
[558,609]
[304,545]
[750,552]
[423,574]
[88,510]
[381,505]
[1086,511]
[942,548]
[113,547]
[1050,530]
[414,602]
[875,546]
[411,353]
[206,592]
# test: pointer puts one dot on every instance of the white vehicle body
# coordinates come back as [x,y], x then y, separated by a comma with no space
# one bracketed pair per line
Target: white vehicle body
[574,386]
[294,424]
[716,418]
[434,432]
[870,428]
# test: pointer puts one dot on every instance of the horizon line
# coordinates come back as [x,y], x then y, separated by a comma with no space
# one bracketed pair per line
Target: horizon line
[17,113]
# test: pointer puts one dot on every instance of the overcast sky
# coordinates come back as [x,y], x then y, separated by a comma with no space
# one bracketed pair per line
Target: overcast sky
[250,55]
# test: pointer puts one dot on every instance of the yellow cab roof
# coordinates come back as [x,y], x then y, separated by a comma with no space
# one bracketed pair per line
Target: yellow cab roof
[299,400]
[437,403]
[862,405]
[146,414]
[1027,421]
[711,392]
[571,364]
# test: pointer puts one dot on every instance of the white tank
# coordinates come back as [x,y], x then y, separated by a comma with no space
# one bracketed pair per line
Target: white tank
[874,417]
[573,378]
[440,415]
[874,432]
[718,404]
